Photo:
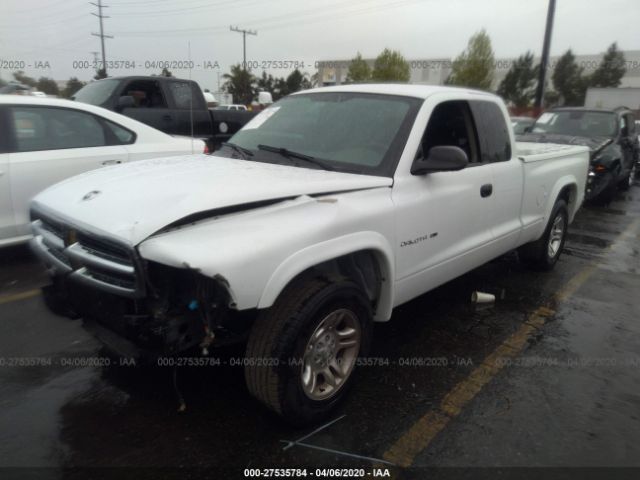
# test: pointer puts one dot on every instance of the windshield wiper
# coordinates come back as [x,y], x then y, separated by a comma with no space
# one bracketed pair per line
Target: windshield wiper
[291,154]
[244,152]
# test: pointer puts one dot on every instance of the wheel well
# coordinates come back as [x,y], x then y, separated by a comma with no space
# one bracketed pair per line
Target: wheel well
[363,267]
[569,194]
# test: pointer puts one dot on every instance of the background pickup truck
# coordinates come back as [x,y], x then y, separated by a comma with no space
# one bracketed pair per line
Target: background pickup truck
[325,212]
[166,103]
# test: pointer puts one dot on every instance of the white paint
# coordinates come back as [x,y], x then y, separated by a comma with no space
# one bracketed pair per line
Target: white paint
[27,173]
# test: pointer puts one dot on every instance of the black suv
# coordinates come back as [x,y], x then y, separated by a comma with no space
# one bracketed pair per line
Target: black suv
[610,135]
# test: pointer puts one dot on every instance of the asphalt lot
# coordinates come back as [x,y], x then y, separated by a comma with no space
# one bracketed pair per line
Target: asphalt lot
[548,376]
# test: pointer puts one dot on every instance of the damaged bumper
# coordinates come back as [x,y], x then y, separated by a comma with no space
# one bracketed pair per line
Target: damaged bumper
[136,308]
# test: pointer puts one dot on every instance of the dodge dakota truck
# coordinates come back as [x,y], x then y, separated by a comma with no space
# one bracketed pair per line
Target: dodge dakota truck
[326,211]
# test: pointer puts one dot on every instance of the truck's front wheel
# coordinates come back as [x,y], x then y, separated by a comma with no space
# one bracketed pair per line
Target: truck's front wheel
[302,352]
[544,252]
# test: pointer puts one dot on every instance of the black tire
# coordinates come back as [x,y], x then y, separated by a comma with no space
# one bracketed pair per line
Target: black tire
[278,339]
[537,255]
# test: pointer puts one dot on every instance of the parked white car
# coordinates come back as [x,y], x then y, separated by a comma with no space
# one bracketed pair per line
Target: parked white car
[45,140]
[325,212]
[231,107]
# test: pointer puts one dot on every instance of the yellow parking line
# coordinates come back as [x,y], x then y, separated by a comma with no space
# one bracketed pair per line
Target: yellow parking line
[420,435]
[404,451]
[19,296]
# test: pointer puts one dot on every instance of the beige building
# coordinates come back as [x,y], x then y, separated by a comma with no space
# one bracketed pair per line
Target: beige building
[434,71]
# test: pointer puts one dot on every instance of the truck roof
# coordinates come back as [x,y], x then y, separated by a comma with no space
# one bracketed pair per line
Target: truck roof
[400,89]
[146,77]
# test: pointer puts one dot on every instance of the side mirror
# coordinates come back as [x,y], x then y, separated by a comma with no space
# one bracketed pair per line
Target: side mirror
[126,101]
[528,129]
[441,159]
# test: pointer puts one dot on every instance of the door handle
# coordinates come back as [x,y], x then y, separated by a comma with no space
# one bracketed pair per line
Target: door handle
[168,118]
[486,190]
[111,162]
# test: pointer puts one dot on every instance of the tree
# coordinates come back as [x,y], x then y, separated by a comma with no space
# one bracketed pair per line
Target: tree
[72,86]
[266,83]
[48,86]
[166,73]
[519,84]
[611,70]
[100,74]
[241,84]
[390,66]
[359,70]
[474,67]
[24,79]
[568,80]
[297,81]
[315,79]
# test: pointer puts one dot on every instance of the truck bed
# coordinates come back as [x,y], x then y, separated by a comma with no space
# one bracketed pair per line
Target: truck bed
[533,152]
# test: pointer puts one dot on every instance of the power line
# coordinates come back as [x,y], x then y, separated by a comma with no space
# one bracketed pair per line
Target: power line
[244,42]
[101,34]
[335,9]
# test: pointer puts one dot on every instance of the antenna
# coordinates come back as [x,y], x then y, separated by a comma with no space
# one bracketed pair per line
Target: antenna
[190,96]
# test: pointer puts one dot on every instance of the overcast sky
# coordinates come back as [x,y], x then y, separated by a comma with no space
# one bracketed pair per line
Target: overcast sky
[59,31]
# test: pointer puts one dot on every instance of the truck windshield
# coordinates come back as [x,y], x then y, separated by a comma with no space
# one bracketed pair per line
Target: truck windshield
[96,93]
[354,132]
[579,123]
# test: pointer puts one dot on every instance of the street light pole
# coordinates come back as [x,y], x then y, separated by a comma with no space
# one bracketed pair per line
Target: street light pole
[544,61]
[244,42]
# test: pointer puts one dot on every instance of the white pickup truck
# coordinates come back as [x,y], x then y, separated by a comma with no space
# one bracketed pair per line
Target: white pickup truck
[326,211]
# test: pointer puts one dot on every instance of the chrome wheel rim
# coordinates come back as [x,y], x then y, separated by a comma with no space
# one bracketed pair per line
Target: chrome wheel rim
[330,354]
[556,235]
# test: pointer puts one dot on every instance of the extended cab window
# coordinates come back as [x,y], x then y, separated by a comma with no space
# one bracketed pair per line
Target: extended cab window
[183,96]
[495,144]
[451,124]
[41,128]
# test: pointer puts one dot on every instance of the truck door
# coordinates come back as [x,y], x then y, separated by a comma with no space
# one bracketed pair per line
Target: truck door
[7,223]
[506,170]
[443,217]
[187,106]
[150,104]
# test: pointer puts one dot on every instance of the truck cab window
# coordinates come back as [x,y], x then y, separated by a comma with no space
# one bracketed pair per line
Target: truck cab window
[451,124]
[146,94]
[495,143]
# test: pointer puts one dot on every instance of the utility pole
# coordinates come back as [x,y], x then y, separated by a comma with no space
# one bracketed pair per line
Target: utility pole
[544,61]
[244,42]
[102,36]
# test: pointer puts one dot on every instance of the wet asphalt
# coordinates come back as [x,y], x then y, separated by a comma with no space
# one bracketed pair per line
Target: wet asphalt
[570,398]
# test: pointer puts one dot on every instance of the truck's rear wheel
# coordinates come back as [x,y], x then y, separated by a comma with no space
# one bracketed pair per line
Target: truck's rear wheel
[302,352]
[544,252]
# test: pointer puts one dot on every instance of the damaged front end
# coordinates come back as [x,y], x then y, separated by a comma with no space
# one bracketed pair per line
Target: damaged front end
[135,307]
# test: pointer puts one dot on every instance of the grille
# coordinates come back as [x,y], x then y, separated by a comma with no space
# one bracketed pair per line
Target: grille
[86,257]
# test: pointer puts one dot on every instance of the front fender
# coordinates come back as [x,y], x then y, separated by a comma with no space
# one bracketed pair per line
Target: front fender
[328,250]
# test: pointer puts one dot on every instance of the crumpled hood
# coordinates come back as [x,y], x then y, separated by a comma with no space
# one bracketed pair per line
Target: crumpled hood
[595,144]
[135,200]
